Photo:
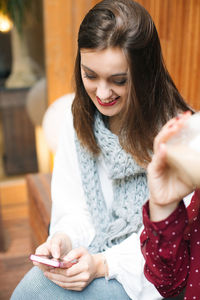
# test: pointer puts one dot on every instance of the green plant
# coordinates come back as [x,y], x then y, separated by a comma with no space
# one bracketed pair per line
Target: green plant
[15,9]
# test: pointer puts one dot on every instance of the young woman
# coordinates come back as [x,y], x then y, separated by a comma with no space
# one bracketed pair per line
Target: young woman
[123,94]
[171,240]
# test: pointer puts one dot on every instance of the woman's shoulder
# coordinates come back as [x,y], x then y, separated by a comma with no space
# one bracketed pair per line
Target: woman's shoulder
[64,112]
[57,118]
[63,104]
[59,108]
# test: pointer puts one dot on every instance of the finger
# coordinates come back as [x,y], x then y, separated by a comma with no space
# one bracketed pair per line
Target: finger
[55,245]
[76,253]
[166,133]
[42,249]
[63,277]
[158,163]
[75,286]
[56,276]
[81,277]
[74,270]
[81,265]
[42,267]
[68,264]
[170,129]
[161,157]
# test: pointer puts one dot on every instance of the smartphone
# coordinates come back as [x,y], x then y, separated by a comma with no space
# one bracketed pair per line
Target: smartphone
[53,262]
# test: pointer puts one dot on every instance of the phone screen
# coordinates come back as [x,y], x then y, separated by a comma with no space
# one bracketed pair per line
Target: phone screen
[53,262]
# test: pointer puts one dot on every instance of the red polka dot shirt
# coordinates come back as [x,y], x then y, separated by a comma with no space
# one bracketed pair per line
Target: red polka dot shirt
[171,249]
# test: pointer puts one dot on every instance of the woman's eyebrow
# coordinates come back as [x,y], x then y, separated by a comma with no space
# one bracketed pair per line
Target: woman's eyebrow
[113,75]
[119,74]
[87,68]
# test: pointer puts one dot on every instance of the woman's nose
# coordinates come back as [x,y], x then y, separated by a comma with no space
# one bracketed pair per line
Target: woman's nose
[103,92]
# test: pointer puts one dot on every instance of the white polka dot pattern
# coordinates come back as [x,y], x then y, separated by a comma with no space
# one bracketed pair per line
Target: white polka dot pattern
[172,250]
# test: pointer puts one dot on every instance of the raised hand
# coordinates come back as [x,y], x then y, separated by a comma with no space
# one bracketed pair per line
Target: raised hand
[166,187]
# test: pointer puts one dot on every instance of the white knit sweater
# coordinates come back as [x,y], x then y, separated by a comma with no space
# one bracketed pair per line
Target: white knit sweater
[70,215]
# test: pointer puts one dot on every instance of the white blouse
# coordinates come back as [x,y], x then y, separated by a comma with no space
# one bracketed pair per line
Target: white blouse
[71,216]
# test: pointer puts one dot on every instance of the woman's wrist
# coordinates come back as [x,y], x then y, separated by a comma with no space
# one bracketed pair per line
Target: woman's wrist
[101,265]
[161,212]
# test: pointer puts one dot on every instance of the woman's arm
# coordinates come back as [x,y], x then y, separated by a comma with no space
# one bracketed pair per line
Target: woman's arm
[69,212]
[165,218]
[166,251]
[126,264]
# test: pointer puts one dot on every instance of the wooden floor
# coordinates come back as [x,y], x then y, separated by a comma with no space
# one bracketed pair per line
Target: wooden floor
[14,262]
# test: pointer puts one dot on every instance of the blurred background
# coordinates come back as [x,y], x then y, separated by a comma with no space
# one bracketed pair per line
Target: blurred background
[37,52]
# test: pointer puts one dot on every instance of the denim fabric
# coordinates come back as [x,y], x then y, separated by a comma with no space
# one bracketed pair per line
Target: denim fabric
[35,286]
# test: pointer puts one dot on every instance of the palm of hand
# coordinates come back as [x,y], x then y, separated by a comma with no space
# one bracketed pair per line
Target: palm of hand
[167,187]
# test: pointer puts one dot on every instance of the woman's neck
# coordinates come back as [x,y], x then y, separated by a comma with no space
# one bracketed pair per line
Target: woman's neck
[114,125]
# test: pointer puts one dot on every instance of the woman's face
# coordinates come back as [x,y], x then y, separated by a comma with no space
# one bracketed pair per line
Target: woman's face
[105,76]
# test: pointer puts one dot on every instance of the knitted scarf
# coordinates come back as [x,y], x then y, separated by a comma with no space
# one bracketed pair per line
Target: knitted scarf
[129,184]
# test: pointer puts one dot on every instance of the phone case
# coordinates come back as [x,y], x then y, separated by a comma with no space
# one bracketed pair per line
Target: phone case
[44,260]
[52,262]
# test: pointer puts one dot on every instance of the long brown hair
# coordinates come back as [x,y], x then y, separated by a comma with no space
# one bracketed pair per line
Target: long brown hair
[152,96]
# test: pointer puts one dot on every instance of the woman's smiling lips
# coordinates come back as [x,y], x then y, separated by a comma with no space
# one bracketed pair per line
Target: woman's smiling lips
[112,102]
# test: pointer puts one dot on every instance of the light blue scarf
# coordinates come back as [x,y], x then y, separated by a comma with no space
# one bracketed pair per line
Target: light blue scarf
[129,189]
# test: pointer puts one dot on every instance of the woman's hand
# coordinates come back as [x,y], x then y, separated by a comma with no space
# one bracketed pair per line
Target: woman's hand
[58,247]
[166,188]
[80,274]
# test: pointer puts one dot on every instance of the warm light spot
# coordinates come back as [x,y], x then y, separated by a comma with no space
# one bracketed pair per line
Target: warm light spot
[5,23]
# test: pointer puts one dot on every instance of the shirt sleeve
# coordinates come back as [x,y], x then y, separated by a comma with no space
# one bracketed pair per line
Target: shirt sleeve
[69,212]
[166,251]
[126,265]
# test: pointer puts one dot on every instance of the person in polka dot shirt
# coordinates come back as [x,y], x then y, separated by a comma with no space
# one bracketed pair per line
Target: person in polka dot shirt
[170,241]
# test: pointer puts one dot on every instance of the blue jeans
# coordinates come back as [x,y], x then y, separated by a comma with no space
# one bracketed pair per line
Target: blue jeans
[35,286]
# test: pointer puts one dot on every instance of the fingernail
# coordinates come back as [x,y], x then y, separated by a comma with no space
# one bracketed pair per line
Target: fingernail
[186,112]
[173,126]
[55,252]
[56,255]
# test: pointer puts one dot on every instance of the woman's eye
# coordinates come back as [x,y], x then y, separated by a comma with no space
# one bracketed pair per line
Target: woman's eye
[89,76]
[120,82]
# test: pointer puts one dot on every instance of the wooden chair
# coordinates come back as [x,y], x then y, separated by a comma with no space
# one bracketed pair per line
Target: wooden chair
[2,239]
[39,200]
